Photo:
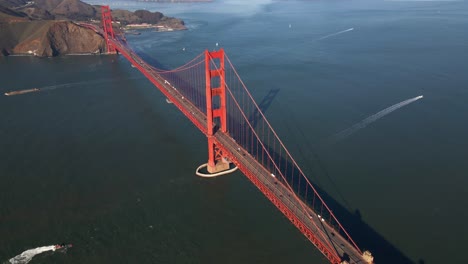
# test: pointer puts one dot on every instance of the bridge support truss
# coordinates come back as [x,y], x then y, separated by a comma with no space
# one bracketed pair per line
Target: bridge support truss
[215,108]
[108,29]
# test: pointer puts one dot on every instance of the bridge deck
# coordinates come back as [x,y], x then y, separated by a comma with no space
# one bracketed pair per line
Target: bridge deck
[249,165]
[287,197]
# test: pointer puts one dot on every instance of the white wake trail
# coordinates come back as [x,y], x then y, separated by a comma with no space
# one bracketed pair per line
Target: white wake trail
[63,85]
[362,124]
[75,84]
[337,33]
[27,255]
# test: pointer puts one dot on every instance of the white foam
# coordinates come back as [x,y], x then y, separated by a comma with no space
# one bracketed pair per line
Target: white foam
[27,255]
[337,33]
[362,124]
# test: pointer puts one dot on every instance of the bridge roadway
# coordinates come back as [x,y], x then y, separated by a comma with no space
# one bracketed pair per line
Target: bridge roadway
[286,200]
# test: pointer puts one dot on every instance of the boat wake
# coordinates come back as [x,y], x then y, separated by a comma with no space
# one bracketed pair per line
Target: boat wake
[27,255]
[337,33]
[362,124]
[66,85]
[63,85]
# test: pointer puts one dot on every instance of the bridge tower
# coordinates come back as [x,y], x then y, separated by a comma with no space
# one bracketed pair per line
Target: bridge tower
[215,108]
[107,26]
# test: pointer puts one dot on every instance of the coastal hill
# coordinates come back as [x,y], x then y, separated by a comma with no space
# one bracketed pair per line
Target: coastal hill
[68,9]
[31,29]
[143,16]
[48,38]
[7,14]
[49,27]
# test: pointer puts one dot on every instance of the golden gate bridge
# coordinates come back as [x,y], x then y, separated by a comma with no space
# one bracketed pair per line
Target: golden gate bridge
[210,93]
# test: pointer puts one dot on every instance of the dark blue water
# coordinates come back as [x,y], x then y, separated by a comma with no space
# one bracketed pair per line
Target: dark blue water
[100,160]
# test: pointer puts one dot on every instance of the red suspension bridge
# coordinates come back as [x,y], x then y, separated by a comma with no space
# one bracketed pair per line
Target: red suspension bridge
[210,93]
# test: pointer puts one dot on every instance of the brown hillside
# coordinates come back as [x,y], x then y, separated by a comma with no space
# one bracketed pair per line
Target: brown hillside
[149,17]
[125,16]
[48,4]
[13,33]
[6,14]
[37,13]
[49,38]
[12,3]
[74,9]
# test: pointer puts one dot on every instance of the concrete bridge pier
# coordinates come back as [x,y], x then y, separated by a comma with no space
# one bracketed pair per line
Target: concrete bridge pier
[220,165]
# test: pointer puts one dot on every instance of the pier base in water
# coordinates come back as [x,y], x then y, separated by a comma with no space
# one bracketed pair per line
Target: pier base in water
[221,168]
[367,256]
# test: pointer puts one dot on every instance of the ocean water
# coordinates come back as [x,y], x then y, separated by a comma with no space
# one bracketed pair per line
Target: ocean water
[100,160]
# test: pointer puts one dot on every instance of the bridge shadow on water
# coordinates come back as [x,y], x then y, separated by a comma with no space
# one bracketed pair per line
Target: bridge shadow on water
[364,235]
[255,117]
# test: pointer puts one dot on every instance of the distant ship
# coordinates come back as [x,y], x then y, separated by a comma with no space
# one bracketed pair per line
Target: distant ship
[22,92]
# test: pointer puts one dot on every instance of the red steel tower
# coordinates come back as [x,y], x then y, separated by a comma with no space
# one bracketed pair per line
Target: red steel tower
[215,107]
[108,30]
